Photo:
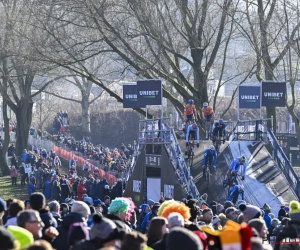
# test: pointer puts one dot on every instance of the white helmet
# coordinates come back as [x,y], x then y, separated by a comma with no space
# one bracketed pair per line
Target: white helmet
[205,104]
[212,147]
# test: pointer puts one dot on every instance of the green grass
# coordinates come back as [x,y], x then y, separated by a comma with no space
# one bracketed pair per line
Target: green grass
[8,191]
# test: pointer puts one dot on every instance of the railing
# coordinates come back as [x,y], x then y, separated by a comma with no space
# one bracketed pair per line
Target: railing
[154,131]
[284,163]
[249,130]
[180,165]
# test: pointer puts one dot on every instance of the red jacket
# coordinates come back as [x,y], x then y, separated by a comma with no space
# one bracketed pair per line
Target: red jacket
[81,190]
[13,172]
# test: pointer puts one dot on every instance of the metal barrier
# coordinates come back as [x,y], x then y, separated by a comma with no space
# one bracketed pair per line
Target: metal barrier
[249,130]
[284,163]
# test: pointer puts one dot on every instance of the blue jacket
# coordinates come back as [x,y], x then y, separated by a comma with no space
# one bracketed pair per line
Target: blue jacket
[147,219]
[24,156]
[189,129]
[207,154]
[233,191]
[268,220]
[235,165]
[219,130]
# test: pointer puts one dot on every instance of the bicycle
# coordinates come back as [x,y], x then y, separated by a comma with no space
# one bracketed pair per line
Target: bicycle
[207,173]
[208,125]
[190,154]
[217,143]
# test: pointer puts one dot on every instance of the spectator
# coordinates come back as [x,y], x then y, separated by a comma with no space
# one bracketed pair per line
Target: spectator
[145,208]
[22,173]
[249,212]
[60,242]
[134,241]
[14,175]
[181,238]
[104,233]
[4,209]
[40,245]
[81,190]
[260,226]
[38,202]
[105,205]
[206,218]
[78,232]
[266,208]
[14,208]
[65,190]
[54,208]
[157,229]
[231,213]
[117,213]
[282,213]
[31,221]
[149,216]
[23,236]
[56,191]
[7,240]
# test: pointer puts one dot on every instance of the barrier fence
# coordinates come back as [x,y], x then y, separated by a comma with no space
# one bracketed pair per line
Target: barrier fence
[67,155]
[284,163]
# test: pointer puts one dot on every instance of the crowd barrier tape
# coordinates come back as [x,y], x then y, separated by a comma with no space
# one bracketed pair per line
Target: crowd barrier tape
[81,161]
[67,155]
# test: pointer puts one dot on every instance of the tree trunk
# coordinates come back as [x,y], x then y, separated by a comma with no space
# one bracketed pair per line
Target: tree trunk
[86,120]
[24,116]
[3,162]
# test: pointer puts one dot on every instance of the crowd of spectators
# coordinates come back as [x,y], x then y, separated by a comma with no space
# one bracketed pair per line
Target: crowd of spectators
[110,221]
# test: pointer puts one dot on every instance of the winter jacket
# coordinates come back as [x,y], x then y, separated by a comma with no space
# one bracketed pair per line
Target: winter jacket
[81,190]
[47,219]
[65,190]
[121,225]
[268,220]
[13,172]
[56,193]
[60,242]
[162,244]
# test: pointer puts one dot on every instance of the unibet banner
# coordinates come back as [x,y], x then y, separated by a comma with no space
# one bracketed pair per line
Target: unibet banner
[249,97]
[149,92]
[130,96]
[273,94]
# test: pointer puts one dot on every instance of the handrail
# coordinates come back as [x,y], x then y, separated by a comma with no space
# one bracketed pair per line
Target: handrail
[283,162]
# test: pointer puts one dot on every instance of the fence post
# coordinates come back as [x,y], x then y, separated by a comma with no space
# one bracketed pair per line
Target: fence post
[272,123]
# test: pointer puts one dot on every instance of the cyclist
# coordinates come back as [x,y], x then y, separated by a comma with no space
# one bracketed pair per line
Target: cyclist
[219,130]
[192,134]
[72,164]
[208,115]
[190,113]
[210,154]
[235,192]
[235,167]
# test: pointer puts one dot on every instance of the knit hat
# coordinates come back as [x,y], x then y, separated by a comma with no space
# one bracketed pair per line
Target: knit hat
[88,200]
[266,208]
[77,231]
[150,202]
[118,205]
[97,202]
[6,239]
[23,236]
[2,205]
[250,212]
[228,204]
[240,202]
[81,208]
[103,228]
[181,238]
[295,210]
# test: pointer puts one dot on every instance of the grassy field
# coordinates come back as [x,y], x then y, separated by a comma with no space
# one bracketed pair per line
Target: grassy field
[9,191]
